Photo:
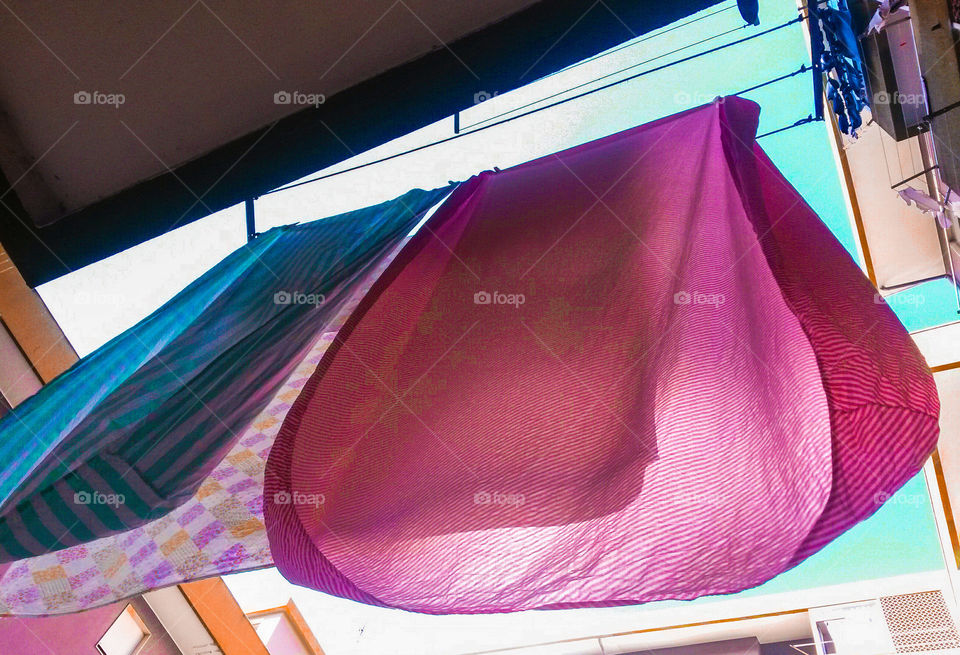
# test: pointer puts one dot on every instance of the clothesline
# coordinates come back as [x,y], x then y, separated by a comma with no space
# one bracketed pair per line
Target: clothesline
[560,102]
[606,75]
[802,121]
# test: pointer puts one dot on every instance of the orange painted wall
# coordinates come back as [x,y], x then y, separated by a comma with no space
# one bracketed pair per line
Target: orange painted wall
[227,623]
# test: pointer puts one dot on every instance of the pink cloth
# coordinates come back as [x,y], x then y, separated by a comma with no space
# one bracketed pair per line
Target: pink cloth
[639,369]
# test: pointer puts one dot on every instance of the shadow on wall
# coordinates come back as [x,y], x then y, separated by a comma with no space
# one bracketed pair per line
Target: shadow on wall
[70,634]
[745,646]
[786,647]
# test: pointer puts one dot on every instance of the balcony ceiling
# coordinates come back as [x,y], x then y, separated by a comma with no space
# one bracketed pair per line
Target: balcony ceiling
[182,118]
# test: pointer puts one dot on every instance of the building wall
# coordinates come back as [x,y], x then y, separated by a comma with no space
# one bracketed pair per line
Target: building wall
[222,617]
[285,639]
[159,642]
[78,634]
[783,648]
[31,324]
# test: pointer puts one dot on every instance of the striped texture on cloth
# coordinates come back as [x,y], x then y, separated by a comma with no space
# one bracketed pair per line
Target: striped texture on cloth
[219,530]
[636,370]
[130,432]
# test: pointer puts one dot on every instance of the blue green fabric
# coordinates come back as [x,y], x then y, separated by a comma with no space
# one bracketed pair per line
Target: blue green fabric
[148,415]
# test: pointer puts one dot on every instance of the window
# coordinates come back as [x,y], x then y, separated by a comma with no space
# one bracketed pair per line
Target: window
[125,635]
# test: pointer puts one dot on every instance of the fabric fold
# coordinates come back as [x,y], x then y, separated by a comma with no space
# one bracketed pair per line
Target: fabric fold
[219,530]
[884,407]
[132,431]
[611,375]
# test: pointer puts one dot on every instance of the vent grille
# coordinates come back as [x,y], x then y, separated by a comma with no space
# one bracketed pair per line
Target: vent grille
[920,623]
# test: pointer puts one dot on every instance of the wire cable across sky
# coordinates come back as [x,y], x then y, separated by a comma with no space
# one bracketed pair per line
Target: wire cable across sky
[574,97]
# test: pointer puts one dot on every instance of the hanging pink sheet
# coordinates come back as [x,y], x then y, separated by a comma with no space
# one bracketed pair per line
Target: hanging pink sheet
[639,369]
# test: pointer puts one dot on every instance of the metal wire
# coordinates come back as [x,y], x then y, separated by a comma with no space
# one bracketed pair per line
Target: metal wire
[467,132]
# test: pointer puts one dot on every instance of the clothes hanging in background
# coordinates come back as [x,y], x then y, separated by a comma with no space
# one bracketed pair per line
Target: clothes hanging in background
[639,369]
[749,11]
[836,52]
[885,13]
[130,432]
[928,205]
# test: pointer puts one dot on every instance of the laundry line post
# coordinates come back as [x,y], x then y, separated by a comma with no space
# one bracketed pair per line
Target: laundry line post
[816,50]
[251,220]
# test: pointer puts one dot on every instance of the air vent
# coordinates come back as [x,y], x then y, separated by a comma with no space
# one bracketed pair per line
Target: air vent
[920,623]
[906,624]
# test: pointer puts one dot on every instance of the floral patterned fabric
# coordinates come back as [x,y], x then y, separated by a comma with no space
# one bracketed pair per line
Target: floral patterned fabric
[220,530]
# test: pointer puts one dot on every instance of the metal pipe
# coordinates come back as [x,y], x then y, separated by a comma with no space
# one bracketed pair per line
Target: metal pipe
[251,220]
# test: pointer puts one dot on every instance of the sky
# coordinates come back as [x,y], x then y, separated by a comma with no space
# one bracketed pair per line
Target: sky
[98,302]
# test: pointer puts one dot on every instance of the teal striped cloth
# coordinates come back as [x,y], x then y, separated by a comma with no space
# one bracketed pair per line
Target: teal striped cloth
[129,432]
